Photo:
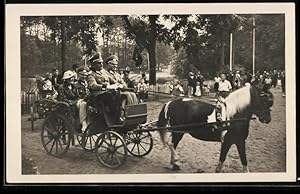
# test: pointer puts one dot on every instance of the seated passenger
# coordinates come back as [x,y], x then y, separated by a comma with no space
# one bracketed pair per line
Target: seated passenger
[48,90]
[98,81]
[67,92]
[83,93]
[116,81]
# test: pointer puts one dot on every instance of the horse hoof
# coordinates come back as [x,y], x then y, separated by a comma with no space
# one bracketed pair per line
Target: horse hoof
[246,170]
[200,171]
[218,169]
[176,167]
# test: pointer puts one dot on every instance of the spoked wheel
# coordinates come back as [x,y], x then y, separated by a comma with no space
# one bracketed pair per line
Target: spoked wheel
[111,149]
[88,142]
[139,144]
[55,137]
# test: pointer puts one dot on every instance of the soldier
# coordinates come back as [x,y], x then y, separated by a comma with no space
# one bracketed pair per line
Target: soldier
[81,84]
[98,79]
[116,82]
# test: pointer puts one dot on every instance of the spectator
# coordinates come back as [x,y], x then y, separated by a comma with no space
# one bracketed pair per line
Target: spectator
[200,79]
[48,90]
[56,79]
[144,78]
[74,70]
[179,88]
[224,87]
[237,80]
[282,77]
[171,88]
[230,77]
[191,84]
[198,89]
[274,78]
[216,85]
[248,78]
[267,82]
[127,80]
[142,89]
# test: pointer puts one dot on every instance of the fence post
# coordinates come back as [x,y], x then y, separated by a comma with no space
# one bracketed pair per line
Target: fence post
[32,118]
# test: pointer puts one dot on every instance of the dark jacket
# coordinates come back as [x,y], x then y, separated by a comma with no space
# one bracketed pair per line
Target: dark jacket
[82,89]
[56,81]
[67,94]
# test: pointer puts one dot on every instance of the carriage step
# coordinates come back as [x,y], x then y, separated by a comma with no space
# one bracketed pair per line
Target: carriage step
[116,126]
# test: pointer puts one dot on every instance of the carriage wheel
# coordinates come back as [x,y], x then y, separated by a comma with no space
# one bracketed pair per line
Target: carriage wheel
[88,142]
[111,149]
[139,144]
[55,137]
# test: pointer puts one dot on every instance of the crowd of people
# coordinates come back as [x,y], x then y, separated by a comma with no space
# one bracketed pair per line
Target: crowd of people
[104,85]
[224,83]
[195,86]
[227,82]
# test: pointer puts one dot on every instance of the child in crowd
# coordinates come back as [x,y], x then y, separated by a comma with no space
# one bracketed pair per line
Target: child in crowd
[198,89]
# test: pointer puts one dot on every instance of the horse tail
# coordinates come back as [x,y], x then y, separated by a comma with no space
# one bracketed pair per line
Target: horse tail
[163,121]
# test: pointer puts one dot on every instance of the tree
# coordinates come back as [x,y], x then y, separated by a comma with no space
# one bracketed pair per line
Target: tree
[147,30]
[206,42]
[65,29]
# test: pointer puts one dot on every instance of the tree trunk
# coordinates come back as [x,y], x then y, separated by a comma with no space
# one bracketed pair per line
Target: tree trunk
[151,50]
[63,44]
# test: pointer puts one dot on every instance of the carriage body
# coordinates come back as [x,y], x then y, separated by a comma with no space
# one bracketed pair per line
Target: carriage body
[102,136]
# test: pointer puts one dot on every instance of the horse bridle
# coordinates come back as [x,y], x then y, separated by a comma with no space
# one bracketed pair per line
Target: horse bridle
[263,109]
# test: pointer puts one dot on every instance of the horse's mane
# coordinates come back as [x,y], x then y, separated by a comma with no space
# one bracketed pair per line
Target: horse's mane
[237,101]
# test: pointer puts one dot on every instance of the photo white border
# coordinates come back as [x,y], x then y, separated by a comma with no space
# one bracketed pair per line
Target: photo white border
[13,89]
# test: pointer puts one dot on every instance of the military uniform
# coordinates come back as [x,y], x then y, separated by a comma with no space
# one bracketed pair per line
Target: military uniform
[115,78]
[97,82]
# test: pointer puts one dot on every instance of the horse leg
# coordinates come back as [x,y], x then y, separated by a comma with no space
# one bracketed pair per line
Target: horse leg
[176,137]
[242,152]
[224,150]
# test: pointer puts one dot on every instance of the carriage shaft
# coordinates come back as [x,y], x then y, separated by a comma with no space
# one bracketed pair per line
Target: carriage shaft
[146,128]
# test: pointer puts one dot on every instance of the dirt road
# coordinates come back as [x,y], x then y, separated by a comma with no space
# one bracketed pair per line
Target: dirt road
[266,150]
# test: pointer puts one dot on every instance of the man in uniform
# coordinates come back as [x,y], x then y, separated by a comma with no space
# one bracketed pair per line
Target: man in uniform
[98,81]
[116,82]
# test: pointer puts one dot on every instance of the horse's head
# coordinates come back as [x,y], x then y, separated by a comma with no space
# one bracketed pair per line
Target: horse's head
[263,103]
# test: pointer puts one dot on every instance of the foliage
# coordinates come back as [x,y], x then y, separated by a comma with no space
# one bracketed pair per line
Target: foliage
[206,43]
[188,42]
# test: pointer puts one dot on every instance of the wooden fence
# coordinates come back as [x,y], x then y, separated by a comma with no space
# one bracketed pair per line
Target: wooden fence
[28,98]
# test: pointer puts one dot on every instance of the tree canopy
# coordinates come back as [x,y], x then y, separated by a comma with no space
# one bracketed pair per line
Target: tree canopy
[187,42]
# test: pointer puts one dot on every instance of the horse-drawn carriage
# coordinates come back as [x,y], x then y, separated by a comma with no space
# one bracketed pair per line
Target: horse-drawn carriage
[110,142]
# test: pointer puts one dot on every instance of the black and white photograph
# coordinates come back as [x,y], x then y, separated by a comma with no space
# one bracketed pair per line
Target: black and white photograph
[151,93]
